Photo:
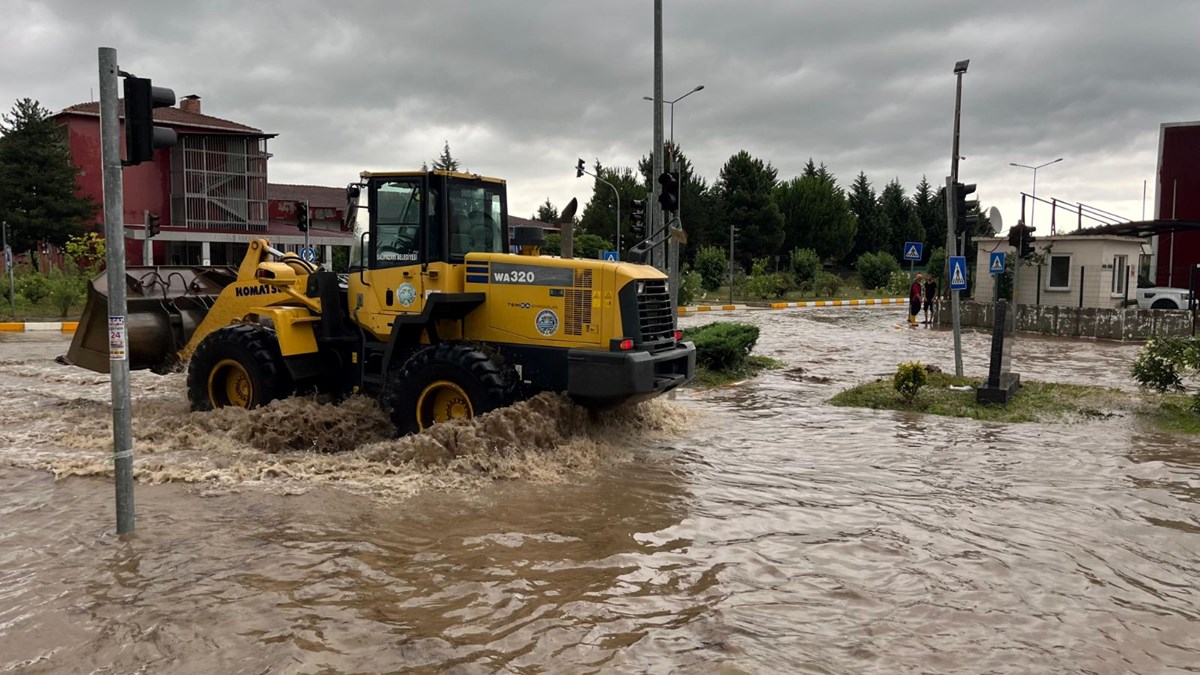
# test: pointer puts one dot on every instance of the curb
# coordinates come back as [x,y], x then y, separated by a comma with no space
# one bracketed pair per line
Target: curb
[789,305]
[39,326]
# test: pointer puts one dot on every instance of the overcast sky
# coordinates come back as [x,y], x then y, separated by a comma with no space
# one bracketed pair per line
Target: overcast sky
[521,88]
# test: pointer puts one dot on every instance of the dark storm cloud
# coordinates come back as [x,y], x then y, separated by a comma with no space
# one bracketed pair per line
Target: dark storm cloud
[522,88]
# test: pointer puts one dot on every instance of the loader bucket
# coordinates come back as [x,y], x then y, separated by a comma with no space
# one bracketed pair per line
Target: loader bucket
[164,306]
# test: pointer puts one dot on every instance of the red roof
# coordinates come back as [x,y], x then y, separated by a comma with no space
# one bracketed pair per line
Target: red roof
[172,117]
[317,196]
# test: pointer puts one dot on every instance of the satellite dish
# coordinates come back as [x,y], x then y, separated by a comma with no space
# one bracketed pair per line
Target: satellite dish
[994,218]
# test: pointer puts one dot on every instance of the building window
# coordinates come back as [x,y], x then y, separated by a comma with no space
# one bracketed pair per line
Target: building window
[1060,273]
[219,182]
[1120,274]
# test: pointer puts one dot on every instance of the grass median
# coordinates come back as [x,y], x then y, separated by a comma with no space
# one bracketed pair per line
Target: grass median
[1047,402]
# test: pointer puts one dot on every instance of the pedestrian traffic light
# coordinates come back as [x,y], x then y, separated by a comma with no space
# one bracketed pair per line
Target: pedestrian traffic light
[638,216]
[153,224]
[302,216]
[668,196]
[579,169]
[141,136]
[966,212]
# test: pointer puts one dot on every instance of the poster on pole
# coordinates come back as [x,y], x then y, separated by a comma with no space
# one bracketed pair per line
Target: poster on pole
[116,338]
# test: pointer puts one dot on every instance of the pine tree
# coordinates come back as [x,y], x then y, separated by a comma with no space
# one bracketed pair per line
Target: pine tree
[816,216]
[546,213]
[926,203]
[901,217]
[38,182]
[744,193]
[445,162]
[872,234]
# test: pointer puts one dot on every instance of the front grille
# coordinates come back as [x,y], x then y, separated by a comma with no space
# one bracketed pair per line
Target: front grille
[655,317]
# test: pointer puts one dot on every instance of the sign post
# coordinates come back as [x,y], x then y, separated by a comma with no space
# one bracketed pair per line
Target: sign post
[610,256]
[912,253]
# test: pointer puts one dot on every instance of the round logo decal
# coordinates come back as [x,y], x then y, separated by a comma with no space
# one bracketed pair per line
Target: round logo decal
[547,322]
[406,294]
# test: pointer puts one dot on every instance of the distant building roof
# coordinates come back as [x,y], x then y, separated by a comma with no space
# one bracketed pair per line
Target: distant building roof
[173,117]
[317,196]
[513,221]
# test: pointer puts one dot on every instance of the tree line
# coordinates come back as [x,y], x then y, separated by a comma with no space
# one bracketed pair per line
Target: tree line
[771,218]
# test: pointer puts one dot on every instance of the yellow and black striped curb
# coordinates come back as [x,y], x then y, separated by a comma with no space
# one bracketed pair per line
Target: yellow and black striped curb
[38,326]
[788,305]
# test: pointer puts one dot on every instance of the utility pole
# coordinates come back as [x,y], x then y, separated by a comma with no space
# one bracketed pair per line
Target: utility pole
[114,235]
[952,217]
[732,230]
[658,257]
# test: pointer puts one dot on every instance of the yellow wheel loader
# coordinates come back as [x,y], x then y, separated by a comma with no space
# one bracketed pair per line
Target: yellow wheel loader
[437,316]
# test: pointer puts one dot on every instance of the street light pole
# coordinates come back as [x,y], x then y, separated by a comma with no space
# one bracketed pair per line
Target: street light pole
[616,195]
[1033,209]
[951,217]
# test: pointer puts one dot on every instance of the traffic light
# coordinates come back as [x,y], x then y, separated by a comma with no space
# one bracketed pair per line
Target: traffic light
[302,216]
[638,216]
[1020,237]
[153,224]
[141,136]
[668,197]
[579,169]
[966,212]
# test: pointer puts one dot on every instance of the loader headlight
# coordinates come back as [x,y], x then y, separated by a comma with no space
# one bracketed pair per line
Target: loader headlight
[641,287]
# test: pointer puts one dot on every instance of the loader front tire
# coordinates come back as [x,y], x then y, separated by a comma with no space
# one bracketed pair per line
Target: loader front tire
[444,382]
[239,366]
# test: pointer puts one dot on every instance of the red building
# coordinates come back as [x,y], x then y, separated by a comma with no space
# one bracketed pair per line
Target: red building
[210,191]
[1177,197]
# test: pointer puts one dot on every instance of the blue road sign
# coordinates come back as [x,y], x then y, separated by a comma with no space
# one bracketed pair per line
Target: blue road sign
[912,250]
[308,253]
[958,273]
[996,263]
[611,256]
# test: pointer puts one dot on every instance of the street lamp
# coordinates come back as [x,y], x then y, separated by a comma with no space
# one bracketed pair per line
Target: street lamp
[672,104]
[674,152]
[1033,209]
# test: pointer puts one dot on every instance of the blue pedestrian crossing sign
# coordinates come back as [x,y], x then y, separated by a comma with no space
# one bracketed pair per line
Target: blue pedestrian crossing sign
[610,256]
[912,250]
[996,263]
[958,273]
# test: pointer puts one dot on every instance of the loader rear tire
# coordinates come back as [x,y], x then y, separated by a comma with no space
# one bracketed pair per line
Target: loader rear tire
[447,381]
[239,366]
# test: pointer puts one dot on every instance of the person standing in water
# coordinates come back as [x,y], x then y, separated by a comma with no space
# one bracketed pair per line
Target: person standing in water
[914,299]
[930,290]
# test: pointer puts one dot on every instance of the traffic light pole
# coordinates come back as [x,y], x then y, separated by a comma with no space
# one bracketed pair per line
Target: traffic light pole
[952,216]
[114,235]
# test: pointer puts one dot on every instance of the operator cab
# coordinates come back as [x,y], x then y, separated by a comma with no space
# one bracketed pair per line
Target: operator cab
[426,217]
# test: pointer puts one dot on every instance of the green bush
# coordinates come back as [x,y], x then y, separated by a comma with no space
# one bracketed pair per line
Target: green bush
[723,345]
[713,267]
[66,290]
[1163,361]
[826,284]
[763,284]
[35,287]
[937,262]
[909,379]
[805,265]
[876,269]
[690,285]
[899,283]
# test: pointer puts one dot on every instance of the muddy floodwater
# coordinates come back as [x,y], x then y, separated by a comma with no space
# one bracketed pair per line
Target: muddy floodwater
[747,529]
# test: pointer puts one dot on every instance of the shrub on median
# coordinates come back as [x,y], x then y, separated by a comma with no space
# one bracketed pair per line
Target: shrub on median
[723,345]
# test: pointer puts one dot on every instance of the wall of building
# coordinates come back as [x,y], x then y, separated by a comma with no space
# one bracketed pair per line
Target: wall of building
[147,186]
[1091,270]
[1177,197]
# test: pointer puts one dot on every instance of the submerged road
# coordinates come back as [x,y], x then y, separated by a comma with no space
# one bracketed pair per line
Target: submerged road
[747,529]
